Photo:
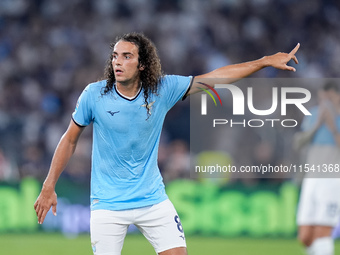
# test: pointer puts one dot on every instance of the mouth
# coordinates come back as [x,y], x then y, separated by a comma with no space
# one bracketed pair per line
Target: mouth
[118,71]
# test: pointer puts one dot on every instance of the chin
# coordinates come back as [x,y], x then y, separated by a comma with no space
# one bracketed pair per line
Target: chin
[119,79]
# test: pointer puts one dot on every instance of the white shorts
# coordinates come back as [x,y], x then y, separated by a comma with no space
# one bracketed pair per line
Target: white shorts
[159,223]
[319,202]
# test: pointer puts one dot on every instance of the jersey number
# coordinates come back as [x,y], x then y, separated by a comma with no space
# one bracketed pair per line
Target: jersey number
[179,224]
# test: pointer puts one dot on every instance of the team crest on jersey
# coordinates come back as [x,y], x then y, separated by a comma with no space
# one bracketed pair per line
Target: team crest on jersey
[149,106]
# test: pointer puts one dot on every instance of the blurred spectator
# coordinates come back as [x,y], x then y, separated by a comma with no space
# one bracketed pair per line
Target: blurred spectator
[177,162]
[7,171]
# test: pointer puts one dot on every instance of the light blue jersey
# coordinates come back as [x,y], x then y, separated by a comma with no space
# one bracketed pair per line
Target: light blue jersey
[323,136]
[125,173]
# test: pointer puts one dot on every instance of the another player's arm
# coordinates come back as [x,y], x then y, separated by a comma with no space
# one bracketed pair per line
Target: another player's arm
[329,119]
[232,73]
[62,155]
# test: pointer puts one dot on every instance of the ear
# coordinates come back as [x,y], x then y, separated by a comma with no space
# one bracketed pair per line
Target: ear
[141,68]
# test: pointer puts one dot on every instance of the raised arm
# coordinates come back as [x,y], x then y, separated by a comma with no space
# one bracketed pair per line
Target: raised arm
[232,73]
[329,116]
[62,155]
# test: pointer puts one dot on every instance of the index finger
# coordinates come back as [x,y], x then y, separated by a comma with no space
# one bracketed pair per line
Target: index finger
[295,49]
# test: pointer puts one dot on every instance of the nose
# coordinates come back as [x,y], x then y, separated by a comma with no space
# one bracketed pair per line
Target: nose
[116,61]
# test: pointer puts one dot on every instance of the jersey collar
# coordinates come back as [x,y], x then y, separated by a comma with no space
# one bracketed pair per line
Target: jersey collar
[125,97]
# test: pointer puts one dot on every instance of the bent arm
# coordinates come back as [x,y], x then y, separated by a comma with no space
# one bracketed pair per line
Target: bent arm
[61,157]
[63,153]
[329,116]
[232,73]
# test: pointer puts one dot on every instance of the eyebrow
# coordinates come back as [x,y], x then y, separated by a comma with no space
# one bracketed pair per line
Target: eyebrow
[124,53]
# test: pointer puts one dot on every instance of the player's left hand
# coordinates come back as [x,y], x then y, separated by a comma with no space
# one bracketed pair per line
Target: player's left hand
[280,59]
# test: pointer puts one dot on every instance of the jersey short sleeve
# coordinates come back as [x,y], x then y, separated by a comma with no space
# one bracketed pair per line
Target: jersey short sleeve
[174,88]
[82,114]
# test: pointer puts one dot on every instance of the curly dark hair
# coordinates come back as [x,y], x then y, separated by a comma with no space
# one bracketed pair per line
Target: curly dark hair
[147,57]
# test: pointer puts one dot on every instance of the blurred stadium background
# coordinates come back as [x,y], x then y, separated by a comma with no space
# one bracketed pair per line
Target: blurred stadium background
[50,50]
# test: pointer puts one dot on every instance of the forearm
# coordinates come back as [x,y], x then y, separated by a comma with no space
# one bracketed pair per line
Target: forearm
[228,74]
[330,122]
[232,73]
[327,116]
[239,71]
[61,157]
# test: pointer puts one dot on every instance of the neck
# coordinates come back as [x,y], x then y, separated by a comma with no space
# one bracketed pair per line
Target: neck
[129,90]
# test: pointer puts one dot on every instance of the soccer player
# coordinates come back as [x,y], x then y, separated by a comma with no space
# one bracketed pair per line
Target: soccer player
[319,205]
[127,111]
